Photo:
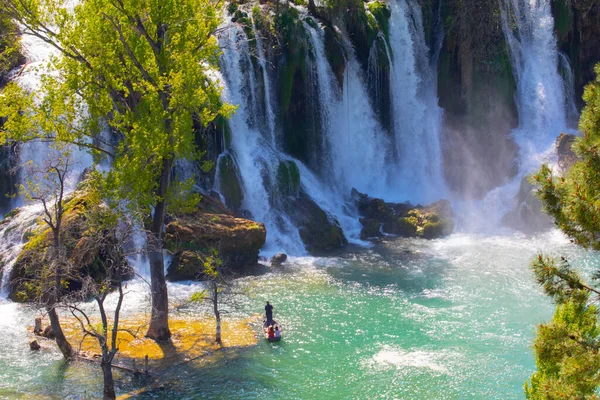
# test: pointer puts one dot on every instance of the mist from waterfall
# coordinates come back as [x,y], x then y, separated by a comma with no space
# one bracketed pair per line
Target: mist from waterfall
[545,100]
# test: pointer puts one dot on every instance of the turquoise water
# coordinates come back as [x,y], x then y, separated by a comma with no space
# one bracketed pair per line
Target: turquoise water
[408,319]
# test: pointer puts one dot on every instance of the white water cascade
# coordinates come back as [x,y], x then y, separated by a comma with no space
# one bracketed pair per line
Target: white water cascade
[256,157]
[417,116]
[544,99]
[356,142]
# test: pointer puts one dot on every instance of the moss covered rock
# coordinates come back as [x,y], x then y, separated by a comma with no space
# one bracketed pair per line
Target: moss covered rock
[403,219]
[229,182]
[193,237]
[86,256]
[288,179]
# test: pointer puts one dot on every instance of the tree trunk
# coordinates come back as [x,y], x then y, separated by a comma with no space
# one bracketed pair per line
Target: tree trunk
[159,321]
[217,313]
[61,340]
[109,383]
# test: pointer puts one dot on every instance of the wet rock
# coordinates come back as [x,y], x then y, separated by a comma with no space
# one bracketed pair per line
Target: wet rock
[211,230]
[278,259]
[564,150]
[48,332]
[37,328]
[371,228]
[527,215]
[320,232]
[34,345]
[403,219]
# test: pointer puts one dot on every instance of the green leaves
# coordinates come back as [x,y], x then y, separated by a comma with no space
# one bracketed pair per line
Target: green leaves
[138,68]
[568,363]
[558,279]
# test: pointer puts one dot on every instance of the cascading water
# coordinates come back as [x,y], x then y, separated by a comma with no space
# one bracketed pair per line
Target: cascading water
[356,143]
[252,149]
[544,99]
[29,77]
[417,116]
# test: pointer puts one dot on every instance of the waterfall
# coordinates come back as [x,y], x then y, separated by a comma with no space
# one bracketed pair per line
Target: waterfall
[417,116]
[542,100]
[356,142]
[545,101]
[252,149]
[262,59]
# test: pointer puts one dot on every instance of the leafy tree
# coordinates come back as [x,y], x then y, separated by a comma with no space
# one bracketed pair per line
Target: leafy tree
[567,348]
[139,70]
[215,278]
[10,54]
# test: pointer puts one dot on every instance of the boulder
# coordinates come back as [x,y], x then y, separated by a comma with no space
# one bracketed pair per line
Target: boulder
[34,345]
[48,332]
[403,219]
[211,227]
[320,232]
[278,259]
[371,228]
[85,254]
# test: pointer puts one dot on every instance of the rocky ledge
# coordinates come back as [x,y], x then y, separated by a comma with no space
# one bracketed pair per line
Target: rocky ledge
[85,253]
[403,219]
[211,230]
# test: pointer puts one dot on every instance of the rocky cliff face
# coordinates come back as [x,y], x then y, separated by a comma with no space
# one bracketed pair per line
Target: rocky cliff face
[577,26]
[476,88]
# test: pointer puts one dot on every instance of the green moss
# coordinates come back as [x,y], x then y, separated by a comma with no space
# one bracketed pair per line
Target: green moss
[433,230]
[335,53]
[363,29]
[563,19]
[289,26]
[288,179]
[222,125]
[232,8]
[240,17]
[229,182]
[382,15]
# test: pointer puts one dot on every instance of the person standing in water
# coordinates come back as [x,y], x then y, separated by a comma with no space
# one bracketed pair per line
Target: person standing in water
[269,312]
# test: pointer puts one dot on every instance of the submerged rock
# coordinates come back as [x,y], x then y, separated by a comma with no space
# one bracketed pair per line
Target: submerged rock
[403,219]
[34,345]
[211,230]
